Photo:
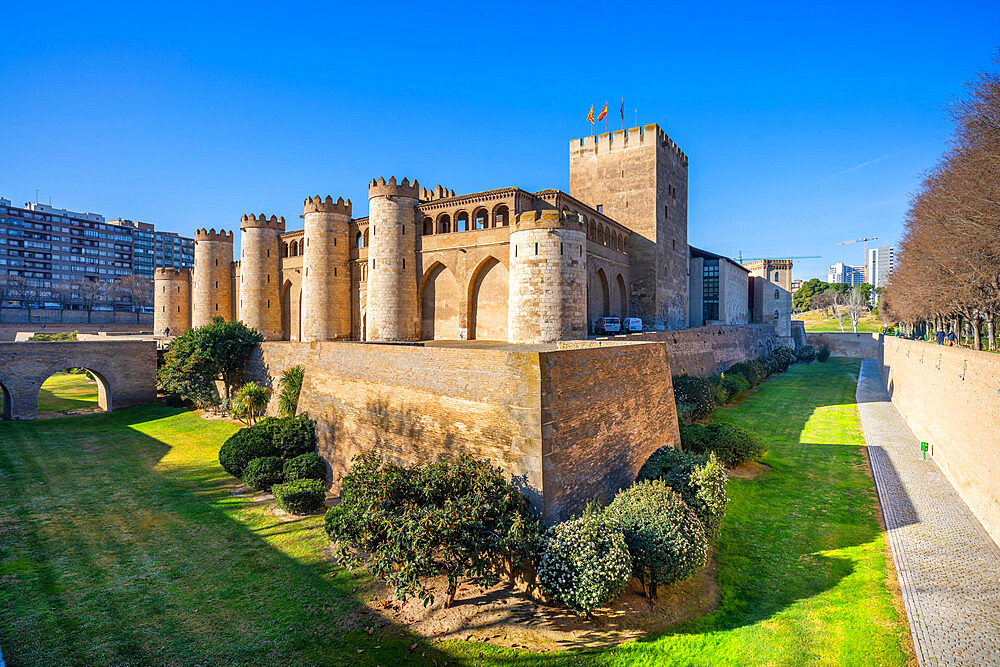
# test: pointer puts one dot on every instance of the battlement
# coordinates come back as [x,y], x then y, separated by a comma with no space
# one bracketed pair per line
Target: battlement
[549,219]
[165,273]
[262,222]
[317,205]
[383,188]
[647,135]
[212,235]
[440,192]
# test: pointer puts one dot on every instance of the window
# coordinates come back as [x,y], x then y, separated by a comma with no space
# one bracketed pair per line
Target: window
[775,276]
[710,289]
[600,208]
[776,295]
[775,314]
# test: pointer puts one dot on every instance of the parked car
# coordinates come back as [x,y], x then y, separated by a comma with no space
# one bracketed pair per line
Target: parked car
[606,325]
[632,324]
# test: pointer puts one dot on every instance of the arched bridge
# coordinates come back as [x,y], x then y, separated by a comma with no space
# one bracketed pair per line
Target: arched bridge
[125,372]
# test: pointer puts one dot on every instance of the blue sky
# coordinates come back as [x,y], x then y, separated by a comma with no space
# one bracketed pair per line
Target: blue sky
[805,124]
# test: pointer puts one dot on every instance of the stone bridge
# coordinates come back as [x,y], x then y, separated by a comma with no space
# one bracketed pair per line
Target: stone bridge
[125,372]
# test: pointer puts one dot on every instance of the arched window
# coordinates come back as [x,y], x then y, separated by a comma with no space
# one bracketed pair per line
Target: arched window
[364,240]
[428,226]
[606,236]
[775,276]
[776,295]
[359,240]
[480,219]
[444,224]
[284,250]
[461,221]
[294,249]
[776,314]
[501,216]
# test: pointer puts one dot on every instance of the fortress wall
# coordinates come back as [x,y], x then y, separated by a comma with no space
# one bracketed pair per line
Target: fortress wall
[569,425]
[862,345]
[950,398]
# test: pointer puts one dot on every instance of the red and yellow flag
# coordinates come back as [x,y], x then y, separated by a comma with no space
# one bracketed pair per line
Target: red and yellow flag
[590,116]
[604,112]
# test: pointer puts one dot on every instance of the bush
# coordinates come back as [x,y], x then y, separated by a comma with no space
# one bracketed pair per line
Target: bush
[720,395]
[806,353]
[701,482]
[300,496]
[249,403]
[665,539]
[823,354]
[753,376]
[585,562]
[47,337]
[461,518]
[263,473]
[305,466]
[785,355]
[770,365]
[732,444]
[694,394]
[294,436]
[291,386]
[734,384]
[759,369]
[245,445]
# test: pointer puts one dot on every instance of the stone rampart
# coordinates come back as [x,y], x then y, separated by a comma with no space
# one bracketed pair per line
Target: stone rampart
[568,425]
[861,345]
[950,398]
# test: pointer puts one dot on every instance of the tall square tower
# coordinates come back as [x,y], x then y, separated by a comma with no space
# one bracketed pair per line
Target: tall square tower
[639,178]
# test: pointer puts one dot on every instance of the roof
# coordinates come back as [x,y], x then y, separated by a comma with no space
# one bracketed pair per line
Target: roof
[704,254]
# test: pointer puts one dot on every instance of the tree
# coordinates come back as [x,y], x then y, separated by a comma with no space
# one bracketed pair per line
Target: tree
[89,291]
[855,305]
[837,309]
[801,300]
[199,357]
[137,289]
[249,403]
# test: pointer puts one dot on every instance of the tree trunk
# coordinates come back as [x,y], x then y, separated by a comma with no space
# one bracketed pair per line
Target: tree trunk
[977,342]
[989,332]
[452,590]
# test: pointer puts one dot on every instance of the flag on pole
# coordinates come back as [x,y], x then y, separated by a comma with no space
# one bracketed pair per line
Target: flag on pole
[604,112]
[623,112]
[590,116]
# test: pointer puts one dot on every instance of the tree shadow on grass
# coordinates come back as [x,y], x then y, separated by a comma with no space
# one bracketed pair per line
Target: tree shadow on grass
[119,560]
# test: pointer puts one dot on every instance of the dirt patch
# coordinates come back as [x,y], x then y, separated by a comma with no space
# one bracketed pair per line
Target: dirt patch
[68,413]
[218,416]
[507,617]
[748,470]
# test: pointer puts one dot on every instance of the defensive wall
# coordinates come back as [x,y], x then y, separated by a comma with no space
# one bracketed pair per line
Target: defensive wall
[125,372]
[9,332]
[58,316]
[569,422]
[862,345]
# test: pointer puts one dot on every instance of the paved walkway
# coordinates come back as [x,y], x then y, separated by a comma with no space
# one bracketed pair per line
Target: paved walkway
[949,568]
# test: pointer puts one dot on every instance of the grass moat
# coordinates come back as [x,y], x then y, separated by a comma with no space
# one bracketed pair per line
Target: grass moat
[122,540]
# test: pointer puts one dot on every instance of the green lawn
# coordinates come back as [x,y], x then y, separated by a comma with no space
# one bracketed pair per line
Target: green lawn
[815,320]
[121,542]
[67,391]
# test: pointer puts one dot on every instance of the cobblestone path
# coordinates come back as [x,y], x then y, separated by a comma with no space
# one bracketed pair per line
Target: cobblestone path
[949,568]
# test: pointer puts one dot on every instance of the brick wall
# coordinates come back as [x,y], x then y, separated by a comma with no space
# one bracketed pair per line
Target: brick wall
[862,345]
[950,398]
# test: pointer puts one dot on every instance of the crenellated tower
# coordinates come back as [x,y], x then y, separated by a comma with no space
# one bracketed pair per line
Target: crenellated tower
[212,282]
[260,278]
[326,278]
[171,301]
[392,311]
[547,297]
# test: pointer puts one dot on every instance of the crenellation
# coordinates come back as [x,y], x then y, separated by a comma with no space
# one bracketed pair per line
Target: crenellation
[318,205]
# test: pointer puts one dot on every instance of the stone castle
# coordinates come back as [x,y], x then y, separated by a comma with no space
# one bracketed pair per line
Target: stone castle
[503,265]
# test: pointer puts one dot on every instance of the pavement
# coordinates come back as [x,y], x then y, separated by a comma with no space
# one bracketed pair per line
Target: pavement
[948,566]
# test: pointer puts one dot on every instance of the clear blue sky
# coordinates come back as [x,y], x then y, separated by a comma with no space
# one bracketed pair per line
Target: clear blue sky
[805,124]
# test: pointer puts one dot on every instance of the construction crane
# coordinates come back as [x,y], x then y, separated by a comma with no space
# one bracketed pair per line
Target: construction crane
[864,264]
[741,259]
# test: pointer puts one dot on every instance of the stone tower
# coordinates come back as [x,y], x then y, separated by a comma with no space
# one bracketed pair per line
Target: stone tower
[548,278]
[639,178]
[260,279]
[326,277]
[392,310]
[212,286]
[171,301]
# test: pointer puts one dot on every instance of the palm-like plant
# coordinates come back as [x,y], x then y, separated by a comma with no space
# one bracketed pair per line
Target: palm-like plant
[291,385]
[249,403]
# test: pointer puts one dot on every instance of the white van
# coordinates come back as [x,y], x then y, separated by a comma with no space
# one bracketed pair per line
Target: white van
[632,324]
[605,325]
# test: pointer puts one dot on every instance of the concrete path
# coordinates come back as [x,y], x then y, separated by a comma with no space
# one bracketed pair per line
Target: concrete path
[949,568]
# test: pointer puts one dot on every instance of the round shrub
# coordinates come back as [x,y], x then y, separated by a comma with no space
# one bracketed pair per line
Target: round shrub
[700,480]
[305,466]
[294,436]
[263,473]
[770,365]
[244,446]
[585,562]
[720,395]
[665,539]
[732,444]
[806,353]
[823,354]
[301,496]
[759,370]
[694,394]
[734,384]
[785,355]
[749,373]
[694,438]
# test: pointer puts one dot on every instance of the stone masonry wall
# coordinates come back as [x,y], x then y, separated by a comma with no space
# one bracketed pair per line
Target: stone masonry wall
[861,345]
[172,309]
[212,280]
[326,272]
[950,398]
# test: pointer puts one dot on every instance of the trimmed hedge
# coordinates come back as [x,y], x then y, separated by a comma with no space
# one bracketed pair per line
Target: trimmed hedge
[759,370]
[665,538]
[720,394]
[735,384]
[263,473]
[301,496]
[823,354]
[305,466]
[246,445]
[806,353]
[785,355]
[701,482]
[732,444]
[693,396]
[749,374]
[294,436]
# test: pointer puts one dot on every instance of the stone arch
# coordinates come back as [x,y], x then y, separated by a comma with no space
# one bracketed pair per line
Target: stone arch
[592,231]
[461,221]
[444,224]
[598,297]
[291,311]
[428,227]
[359,240]
[501,215]
[104,392]
[364,239]
[293,248]
[439,298]
[480,218]
[487,299]
[284,250]
[621,297]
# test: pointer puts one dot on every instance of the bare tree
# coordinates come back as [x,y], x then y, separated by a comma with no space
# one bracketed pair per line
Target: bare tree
[838,310]
[855,305]
[89,292]
[137,289]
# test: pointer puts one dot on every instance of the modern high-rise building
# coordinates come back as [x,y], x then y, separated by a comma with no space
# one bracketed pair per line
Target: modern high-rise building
[880,263]
[843,273]
[46,253]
